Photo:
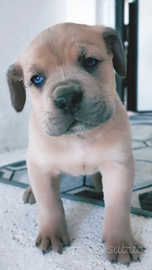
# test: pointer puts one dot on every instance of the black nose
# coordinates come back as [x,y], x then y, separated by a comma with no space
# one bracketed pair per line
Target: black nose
[70,102]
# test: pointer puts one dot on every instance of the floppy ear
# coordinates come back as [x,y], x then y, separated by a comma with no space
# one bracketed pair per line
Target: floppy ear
[16,87]
[114,45]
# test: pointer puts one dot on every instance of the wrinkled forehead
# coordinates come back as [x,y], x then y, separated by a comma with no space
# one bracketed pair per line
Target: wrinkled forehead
[65,43]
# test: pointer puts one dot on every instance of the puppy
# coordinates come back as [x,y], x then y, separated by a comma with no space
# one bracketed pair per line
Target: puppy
[78,126]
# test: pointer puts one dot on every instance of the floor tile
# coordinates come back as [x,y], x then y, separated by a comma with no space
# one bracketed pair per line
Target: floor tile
[137,144]
[143,154]
[143,172]
[141,132]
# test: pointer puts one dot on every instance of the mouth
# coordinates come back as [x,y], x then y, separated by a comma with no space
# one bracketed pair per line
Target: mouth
[76,124]
[78,127]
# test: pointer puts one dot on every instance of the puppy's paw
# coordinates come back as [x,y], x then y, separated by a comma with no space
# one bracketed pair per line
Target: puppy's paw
[124,250]
[52,238]
[28,196]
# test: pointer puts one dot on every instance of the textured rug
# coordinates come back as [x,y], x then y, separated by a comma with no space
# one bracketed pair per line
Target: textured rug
[19,226]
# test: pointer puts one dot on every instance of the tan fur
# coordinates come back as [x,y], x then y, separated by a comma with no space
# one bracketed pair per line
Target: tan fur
[100,142]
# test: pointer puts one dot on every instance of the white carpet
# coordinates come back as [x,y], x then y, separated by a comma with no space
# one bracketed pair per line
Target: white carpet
[18,229]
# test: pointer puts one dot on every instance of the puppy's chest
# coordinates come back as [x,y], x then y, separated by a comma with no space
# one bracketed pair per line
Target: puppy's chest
[76,160]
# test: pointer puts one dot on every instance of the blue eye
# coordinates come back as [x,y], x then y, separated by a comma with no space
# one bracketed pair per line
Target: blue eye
[90,62]
[37,80]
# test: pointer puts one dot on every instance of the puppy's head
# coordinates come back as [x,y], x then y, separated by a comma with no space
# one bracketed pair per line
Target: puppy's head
[68,72]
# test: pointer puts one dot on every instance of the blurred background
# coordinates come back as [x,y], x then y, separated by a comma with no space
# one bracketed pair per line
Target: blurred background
[21,21]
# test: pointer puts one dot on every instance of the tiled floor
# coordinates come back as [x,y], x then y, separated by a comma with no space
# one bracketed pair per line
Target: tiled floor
[142,148]
[81,188]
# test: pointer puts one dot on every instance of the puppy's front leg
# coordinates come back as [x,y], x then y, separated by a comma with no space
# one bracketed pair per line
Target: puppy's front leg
[117,184]
[52,228]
